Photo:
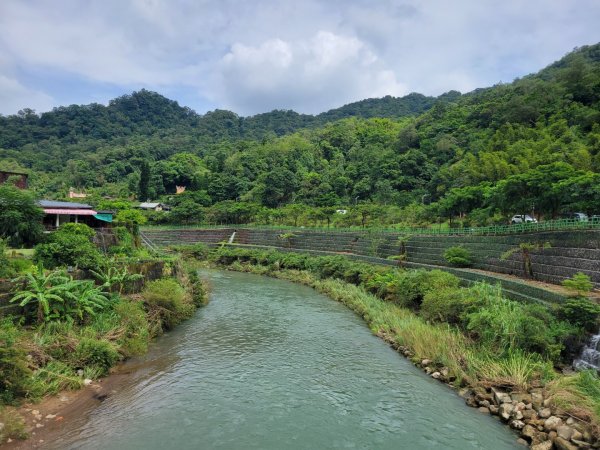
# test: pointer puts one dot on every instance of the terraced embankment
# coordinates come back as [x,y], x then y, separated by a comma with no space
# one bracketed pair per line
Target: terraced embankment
[570,251]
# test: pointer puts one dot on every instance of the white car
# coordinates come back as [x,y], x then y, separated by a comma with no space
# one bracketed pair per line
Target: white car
[522,218]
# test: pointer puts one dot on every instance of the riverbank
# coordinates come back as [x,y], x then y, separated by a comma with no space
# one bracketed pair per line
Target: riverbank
[545,407]
[60,366]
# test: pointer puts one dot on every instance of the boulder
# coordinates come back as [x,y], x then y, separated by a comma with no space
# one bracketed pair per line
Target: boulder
[445,372]
[436,375]
[493,409]
[517,414]
[521,441]
[545,413]
[552,423]
[565,432]
[546,445]
[563,444]
[529,432]
[505,410]
[517,424]
[426,362]
[521,397]
[501,397]
[537,399]
[483,409]
[484,403]
[581,444]
[529,414]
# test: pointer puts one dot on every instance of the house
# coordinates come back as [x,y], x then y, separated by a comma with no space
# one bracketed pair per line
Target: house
[75,194]
[59,213]
[21,178]
[153,206]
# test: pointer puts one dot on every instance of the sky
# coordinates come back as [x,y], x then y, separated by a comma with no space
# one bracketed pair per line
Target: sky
[253,56]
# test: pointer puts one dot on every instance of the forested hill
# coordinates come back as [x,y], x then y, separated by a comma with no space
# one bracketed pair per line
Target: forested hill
[146,113]
[510,148]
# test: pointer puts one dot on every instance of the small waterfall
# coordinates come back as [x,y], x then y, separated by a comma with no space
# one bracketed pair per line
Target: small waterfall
[231,238]
[590,356]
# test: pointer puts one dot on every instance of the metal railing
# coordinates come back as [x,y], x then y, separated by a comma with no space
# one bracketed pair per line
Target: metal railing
[521,228]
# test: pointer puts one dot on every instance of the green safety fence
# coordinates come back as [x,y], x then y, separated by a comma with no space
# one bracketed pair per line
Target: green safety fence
[521,228]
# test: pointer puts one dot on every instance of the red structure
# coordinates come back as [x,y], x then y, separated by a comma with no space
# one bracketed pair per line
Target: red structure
[22,178]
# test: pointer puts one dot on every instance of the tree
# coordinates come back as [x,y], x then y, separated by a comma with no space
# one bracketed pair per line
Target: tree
[20,216]
[144,181]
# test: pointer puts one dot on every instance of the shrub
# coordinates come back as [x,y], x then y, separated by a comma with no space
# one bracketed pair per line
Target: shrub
[448,305]
[579,283]
[581,312]
[70,245]
[198,290]
[6,271]
[94,352]
[458,256]
[14,425]
[198,250]
[166,302]
[15,375]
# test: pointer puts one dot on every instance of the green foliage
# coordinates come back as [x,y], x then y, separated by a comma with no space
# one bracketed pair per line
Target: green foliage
[56,296]
[449,305]
[579,283]
[70,245]
[458,256]
[197,250]
[133,322]
[581,312]
[5,269]
[15,375]
[21,218]
[97,353]
[112,277]
[166,300]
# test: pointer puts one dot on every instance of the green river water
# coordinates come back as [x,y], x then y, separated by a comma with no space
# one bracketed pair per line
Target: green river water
[273,365]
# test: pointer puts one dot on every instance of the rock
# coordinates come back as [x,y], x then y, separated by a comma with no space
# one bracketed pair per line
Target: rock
[570,421]
[484,403]
[505,410]
[516,414]
[565,432]
[426,362]
[87,382]
[576,436]
[563,444]
[436,375]
[501,397]
[546,445]
[529,414]
[547,403]
[520,406]
[552,423]
[529,432]
[545,413]
[38,425]
[521,397]
[493,409]
[471,402]
[517,424]
[79,372]
[445,372]
[428,370]
[50,416]
[522,442]
[581,444]
[9,440]
[483,409]
[537,399]
[35,412]
[64,399]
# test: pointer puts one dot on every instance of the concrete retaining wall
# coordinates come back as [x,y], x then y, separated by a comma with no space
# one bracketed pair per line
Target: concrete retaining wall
[570,252]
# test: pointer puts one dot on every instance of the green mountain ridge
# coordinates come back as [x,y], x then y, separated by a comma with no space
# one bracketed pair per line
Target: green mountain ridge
[529,145]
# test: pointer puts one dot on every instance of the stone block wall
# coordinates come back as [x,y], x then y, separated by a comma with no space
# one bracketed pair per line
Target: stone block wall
[570,252]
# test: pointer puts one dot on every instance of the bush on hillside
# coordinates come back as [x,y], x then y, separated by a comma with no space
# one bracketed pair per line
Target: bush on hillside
[581,312]
[70,245]
[458,256]
[167,303]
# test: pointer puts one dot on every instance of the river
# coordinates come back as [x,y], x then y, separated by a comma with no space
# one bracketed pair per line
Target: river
[270,364]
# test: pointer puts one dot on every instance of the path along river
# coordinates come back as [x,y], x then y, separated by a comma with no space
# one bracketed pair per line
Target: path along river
[273,365]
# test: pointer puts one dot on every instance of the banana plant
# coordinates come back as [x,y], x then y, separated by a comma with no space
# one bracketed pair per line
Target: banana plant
[113,276]
[45,290]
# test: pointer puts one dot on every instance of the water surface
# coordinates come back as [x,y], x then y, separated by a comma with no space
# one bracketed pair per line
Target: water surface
[273,365]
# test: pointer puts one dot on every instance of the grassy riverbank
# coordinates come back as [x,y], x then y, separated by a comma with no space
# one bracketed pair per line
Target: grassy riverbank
[76,342]
[473,336]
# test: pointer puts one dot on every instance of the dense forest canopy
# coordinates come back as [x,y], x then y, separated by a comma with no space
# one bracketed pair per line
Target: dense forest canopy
[533,144]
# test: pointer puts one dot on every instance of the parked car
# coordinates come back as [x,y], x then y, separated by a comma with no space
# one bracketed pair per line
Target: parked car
[522,218]
[578,216]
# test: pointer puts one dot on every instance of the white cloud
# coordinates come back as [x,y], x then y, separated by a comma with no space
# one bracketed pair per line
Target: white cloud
[308,55]
[324,71]
[14,97]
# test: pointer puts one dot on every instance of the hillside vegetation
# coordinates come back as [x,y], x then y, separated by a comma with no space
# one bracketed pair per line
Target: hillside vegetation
[529,145]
